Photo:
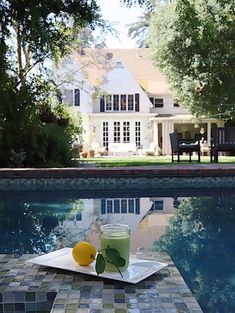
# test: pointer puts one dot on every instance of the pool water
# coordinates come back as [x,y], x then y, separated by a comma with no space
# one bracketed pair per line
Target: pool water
[197,230]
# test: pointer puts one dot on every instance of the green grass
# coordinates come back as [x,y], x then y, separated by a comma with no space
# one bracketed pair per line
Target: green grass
[147,161]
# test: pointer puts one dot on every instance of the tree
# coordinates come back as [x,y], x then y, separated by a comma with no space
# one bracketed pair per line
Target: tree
[129,3]
[33,34]
[139,29]
[193,44]
[42,29]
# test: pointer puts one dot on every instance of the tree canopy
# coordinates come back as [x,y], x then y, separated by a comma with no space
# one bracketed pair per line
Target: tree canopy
[193,43]
[32,34]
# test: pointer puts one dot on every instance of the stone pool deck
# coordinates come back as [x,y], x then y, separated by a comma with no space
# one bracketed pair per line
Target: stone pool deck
[30,288]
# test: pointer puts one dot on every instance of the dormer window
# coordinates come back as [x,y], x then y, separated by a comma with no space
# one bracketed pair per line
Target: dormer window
[123,102]
[117,103]
[158,102]
[176,103]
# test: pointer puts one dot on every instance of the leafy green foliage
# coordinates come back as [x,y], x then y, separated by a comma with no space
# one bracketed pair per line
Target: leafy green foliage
[193,44]
[112,256]
[34,129]
[139,29]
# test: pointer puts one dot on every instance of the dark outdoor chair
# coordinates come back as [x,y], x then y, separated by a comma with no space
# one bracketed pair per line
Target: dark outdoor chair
[180,146]
[223,139]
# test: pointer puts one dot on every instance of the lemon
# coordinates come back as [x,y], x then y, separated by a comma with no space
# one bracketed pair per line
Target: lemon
[84,253]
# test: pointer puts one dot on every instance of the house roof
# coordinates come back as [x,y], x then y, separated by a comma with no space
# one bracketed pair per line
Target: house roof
[95,63]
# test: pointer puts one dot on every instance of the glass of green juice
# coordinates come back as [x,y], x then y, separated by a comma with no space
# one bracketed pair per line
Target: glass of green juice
[116,236]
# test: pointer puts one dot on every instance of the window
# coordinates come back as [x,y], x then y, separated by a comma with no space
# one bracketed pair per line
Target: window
[109,206]
[137,102]
[108,103]
[123,102]
[68,97]
[176,103]
[76,97]
[79,216]
[137,134]
[105,135]
[130,102]
[124,205]
[157,205]
[131,206]
[116,205]
[116,102]
[126,131]
[158,102]
[113,103]
[116,134]
[152,100]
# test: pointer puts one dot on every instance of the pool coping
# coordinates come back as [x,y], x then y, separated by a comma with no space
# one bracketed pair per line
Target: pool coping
[142,171]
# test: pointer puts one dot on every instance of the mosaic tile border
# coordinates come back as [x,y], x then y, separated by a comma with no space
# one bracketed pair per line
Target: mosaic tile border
[192,177]
[28,288]
[114,183]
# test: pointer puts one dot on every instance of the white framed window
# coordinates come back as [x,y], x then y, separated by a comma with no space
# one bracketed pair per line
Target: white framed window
[130,102]
[126,131]
[109,206]
[158,102]
[108,103]
[137,135]
[176,103]
[121,205]
[116,206]
[115,102]
[123,102]
[158,205]
[116,132]
[124,206]
[105,135]
[71,97]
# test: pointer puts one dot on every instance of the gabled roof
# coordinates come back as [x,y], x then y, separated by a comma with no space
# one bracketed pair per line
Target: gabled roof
[95,63]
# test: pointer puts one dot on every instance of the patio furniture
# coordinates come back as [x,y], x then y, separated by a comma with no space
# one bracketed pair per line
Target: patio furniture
[205,148]
[223,139]
[180,146]
[151,150]
[122,148]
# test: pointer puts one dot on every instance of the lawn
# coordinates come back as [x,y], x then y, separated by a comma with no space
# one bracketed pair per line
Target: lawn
[147,161]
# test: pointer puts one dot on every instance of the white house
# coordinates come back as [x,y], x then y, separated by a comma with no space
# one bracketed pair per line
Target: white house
[125,101]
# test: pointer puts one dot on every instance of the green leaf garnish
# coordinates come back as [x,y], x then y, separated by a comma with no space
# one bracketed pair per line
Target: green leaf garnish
[111,256]
[100,264]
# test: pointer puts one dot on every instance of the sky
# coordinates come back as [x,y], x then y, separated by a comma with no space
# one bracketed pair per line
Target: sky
[121,16]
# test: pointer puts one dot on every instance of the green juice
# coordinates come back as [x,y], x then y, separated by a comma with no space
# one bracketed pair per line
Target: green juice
[119,241]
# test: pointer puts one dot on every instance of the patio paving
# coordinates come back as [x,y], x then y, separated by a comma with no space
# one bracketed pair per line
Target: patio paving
[30,288]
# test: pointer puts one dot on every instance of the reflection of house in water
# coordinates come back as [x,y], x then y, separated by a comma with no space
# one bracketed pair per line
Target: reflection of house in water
[147,217]
[154,223]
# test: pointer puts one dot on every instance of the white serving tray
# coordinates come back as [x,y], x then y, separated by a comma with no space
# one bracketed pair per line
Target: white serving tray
[137,270]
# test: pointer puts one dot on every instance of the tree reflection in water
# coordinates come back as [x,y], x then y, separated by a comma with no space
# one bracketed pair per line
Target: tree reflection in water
[27,227]
[200,239]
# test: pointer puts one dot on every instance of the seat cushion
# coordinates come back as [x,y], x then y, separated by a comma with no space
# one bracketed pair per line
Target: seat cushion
[189,147]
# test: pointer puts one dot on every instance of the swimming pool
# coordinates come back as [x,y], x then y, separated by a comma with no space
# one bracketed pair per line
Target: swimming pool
[196,229]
